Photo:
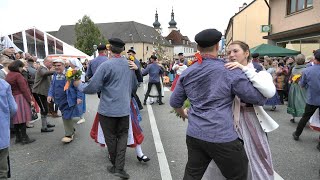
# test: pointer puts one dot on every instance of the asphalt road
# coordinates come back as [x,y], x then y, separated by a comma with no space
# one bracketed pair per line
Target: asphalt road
[48,158]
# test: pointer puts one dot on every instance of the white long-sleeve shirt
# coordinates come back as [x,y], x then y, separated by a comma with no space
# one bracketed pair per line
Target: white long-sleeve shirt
[181,68]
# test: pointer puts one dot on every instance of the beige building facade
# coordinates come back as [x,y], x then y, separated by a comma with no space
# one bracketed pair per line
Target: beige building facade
[246,24]
[295,24]
[145,50]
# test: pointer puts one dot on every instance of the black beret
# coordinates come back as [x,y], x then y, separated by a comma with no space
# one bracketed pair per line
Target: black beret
[131,51]
[180,54]
[116,42]
[153,57]
[255,55]
[208,37]
[102,47]
[317,54]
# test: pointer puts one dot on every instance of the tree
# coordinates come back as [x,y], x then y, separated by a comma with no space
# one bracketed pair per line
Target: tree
[159,47]
[87,35]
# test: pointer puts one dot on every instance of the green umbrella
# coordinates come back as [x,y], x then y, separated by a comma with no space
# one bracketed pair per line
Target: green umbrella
[273,51]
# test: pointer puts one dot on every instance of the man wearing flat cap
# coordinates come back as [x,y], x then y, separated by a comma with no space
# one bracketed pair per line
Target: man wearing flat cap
[66,99]
[116,81]
[132,53]
[94,64]
[310,81]
[154,71]
[181,59]
[211,89]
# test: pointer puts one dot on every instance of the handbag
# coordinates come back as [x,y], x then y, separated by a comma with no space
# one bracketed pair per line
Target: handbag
[34,113]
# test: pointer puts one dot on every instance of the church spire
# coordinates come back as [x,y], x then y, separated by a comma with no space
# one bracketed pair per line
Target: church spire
[156,23]
[172,23]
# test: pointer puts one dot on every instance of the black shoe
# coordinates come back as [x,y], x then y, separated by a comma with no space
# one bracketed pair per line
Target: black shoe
[144,103]
[161,103]
[140,108]
[143,158]
[18,140]
[295,137]
[318,146]
[292,120]
[27,140]
[50,125]
[111,169]
[122,174]
[47,130]
[273,108]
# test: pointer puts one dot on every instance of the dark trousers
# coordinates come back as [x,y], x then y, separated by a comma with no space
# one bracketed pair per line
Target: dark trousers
[4,163]
[115,130]
[281,95]
[136,97]
[21,131]
[230,157]
[308,112]
[42,102]
[158,85]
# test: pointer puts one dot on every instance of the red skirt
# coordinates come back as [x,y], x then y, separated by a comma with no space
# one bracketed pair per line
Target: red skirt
[23,114]
[174,82]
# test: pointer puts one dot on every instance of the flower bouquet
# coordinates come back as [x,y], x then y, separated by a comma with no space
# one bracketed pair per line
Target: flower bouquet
[296,78]
[186,105]
[72,74]
[131,58]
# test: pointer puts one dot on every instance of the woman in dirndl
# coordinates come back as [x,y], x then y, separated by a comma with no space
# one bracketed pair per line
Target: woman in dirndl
[22,96]
[77,65]
[135,134]
[275,100]
[179,68]
[251,122]
[297,94]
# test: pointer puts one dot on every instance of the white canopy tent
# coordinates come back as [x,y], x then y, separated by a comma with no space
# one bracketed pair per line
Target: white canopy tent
[6,42]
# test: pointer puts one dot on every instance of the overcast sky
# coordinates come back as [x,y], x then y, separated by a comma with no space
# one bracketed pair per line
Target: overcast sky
[191,16]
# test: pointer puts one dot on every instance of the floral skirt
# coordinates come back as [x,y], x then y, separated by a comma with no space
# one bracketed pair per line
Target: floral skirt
[296,100]
[23,114]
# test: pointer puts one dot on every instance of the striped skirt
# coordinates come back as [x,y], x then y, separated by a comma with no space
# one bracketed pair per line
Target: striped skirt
[23,114]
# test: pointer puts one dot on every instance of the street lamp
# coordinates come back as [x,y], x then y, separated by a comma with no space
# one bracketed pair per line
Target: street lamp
[94,50]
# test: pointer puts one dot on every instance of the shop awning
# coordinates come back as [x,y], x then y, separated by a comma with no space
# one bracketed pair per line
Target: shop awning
[273,51]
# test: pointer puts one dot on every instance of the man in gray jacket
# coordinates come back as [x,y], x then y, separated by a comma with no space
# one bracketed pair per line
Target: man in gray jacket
[40,91]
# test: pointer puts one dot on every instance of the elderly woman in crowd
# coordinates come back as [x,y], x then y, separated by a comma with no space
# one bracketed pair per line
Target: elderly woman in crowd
[297,94]
[22,96]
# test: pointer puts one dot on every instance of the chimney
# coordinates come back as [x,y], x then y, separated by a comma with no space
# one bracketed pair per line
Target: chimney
[243,6]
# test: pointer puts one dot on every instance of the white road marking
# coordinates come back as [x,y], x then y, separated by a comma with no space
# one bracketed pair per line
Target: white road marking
[166,89]
[277,176]
[163,162]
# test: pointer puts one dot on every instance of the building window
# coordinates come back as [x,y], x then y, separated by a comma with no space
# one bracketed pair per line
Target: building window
[170,41]
[147,48]
[298,5]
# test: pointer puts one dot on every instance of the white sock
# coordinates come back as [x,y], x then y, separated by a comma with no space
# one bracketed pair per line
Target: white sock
[139,151]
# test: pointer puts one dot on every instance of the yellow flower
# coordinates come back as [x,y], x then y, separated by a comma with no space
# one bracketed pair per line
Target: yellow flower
[189,63]
[131,58]
[296,77]
[69,73]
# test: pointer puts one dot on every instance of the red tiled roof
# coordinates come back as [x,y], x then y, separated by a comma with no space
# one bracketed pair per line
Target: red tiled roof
[177,38]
